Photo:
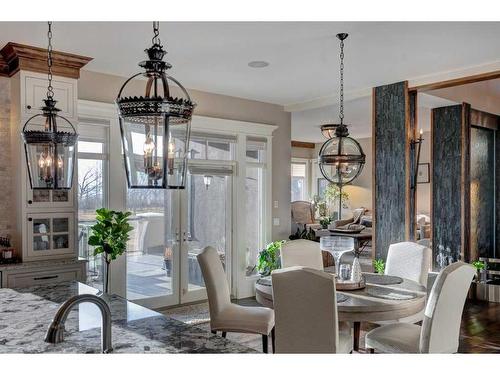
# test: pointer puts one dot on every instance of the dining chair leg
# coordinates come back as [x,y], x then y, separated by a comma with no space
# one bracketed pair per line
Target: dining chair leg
[264,344]
[214,332]
[356,334]
[273,339]
[224,334]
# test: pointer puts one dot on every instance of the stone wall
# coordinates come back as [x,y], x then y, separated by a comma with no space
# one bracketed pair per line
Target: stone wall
[6,224]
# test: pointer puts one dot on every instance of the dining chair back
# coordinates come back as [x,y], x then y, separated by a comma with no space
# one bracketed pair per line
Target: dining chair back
[409,260]
[443,313]
[301,253]
[305,309]
[216,283]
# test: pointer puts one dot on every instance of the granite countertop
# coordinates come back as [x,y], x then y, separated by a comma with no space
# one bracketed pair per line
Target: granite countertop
[26,313]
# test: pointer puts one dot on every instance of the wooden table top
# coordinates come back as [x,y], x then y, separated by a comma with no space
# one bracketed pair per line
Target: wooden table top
[375,302]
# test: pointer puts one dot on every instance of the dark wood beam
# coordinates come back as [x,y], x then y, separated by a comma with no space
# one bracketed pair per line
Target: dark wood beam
[456,81]
[303,144]
[15,56]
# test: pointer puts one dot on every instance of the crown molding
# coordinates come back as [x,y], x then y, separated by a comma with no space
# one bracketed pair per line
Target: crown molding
[15,57]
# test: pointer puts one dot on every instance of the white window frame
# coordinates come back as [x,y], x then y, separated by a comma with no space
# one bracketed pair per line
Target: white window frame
[307,185]
[243,286]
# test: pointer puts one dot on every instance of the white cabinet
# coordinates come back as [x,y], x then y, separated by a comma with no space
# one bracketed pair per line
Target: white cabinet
[48,199]
[49,235]
[34,90]
[41,273]
[45,219]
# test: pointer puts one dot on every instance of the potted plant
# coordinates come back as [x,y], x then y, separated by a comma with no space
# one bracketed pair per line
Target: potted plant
[333,195]
[379,266]
[109,236]
[269,258]
[480,267]
[325,221]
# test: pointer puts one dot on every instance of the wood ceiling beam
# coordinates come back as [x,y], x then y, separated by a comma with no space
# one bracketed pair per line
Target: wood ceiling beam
[303,144]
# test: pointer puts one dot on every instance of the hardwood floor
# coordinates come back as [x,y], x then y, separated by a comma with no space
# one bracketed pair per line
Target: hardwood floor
[480,329]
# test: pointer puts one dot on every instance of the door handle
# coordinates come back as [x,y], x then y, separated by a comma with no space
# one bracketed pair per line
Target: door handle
[186,236]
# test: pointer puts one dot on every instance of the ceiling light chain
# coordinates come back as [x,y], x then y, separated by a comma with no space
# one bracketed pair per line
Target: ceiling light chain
[50,89]
[156,32]
[341,112]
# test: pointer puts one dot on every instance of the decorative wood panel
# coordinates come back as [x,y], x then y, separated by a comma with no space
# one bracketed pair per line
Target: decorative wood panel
[450,181]
[391,163]
[482,193]
[412,132]
[15,56]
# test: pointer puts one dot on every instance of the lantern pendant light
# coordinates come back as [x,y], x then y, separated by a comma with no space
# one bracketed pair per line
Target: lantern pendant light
[341,158]
[50,153]
[155,126]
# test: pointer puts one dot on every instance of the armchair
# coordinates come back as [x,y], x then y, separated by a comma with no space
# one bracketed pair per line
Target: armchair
[303,214]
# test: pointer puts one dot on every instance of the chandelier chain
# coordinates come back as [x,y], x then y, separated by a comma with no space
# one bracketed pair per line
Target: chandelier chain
[156,32]
[341,99]
[50,89]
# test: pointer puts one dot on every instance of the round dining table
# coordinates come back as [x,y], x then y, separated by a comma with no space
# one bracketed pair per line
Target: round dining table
[385,298]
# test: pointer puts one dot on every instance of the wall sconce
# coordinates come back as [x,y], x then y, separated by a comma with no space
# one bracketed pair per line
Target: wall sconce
[207,180]
[413,145]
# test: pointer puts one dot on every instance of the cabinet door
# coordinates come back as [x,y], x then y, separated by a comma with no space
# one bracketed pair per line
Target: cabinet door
[50,235]
[38,199]
[34,86]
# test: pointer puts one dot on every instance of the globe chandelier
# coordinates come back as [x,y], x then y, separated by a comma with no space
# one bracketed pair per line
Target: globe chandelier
[341,158]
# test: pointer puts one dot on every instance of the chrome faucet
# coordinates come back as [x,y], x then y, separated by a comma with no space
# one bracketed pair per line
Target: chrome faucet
[55,332]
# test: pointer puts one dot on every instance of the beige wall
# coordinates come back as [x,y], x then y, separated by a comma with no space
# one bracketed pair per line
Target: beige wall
[304,153]
[104,88]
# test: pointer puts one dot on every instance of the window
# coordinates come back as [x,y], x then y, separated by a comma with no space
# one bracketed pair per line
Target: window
[299,181]
[211,147]
[92,191]
[254,201]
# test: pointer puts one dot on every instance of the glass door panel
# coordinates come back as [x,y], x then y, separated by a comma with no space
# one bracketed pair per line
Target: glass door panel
[206,221]
[151,250]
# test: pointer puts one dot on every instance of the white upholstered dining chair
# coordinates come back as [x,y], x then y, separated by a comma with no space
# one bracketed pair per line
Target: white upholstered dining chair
[412,261]
[301,253]
[440,329]
[305,307]
[409,260]
[226,316]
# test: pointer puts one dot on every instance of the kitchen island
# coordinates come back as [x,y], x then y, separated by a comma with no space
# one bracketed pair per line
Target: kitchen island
[26,313]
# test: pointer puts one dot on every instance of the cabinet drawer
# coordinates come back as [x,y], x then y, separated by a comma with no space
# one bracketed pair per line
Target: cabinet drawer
[26,279]
[34,86]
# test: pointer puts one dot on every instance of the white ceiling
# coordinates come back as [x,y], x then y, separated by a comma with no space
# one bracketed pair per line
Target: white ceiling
[303,56]
[358,115]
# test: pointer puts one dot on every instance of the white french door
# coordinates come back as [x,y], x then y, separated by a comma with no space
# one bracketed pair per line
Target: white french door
[205,220]
[162,268]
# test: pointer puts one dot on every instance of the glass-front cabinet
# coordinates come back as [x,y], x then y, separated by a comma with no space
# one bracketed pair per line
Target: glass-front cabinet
[49,198]
[50,235]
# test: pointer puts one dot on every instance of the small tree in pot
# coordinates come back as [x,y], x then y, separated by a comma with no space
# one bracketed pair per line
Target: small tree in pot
[109,236]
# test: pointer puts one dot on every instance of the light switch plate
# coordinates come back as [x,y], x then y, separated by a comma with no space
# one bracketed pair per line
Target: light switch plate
[275,204]
[276,221]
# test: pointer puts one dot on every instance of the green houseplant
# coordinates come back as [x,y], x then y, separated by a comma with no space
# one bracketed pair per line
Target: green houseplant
[109,236]
[269,258]
[379,266]
[480,267]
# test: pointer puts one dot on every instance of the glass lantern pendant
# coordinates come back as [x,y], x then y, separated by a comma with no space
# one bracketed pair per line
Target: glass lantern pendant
[50,152]
[155,126]
[341,158]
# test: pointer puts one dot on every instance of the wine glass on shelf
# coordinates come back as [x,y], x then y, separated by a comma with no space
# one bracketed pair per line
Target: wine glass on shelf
[337,246]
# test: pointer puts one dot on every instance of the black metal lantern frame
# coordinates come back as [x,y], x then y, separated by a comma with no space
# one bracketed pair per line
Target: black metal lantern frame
[50,153]
[155,128]
[341,158]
